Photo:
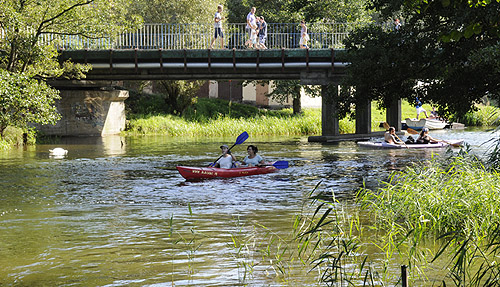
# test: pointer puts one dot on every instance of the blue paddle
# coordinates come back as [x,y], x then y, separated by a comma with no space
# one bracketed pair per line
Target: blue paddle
[280,164]
[239,140]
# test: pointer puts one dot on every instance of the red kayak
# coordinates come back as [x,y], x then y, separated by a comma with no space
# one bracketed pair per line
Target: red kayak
[212,172]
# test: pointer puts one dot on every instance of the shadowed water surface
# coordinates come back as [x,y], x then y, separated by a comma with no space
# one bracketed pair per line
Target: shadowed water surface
[115,212]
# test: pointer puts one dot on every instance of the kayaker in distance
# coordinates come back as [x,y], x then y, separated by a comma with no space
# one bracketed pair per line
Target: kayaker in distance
[227,160]
[253,159]
[425,138]
[390,136]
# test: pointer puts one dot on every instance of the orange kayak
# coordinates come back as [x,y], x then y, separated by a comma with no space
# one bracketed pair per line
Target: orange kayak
[212,172]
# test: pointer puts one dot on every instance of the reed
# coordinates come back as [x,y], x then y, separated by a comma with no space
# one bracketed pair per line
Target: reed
[485,116]
[455,203]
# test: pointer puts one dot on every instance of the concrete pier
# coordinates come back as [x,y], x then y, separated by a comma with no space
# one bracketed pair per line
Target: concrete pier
[89,109]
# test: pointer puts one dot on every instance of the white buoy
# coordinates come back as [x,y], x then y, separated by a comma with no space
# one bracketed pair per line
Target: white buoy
[58,151]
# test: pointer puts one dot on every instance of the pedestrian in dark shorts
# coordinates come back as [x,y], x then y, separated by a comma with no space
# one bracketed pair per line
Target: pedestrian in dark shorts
[218,27]
[262,33]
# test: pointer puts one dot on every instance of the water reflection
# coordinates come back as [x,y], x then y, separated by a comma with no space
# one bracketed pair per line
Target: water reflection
[116,212]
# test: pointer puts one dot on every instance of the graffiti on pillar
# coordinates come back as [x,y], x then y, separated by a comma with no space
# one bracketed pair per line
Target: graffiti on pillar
[88,112]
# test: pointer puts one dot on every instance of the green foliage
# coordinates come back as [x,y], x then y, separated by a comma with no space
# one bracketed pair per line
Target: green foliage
[141,103]
[15,137]
[179,95]
[205,115]
[282,90]
[454,202]
[183,11]
[282,11]
[205,109]
[264,124]
[26,59]
[24,100]
[25,22]
[432,56]
[173,97]
[485,116]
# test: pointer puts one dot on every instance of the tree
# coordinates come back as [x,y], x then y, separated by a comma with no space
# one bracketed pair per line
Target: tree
[25,100]
[282,90]
[285,11]
[27,59]
[444,54]
[179,95]
[182,11]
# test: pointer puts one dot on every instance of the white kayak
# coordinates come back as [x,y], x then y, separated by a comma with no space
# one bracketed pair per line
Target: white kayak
[397,146]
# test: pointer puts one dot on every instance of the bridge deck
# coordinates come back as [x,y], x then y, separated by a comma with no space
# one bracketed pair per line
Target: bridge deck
[279,64]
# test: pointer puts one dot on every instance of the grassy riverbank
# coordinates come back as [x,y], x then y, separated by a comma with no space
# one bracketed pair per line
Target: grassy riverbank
[213,117]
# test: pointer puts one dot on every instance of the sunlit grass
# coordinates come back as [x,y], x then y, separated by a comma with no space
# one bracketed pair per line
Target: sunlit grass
[455,204]
[438,198]
[267,123]
[304,124]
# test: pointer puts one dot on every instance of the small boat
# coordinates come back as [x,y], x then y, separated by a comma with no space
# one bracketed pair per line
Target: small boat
[419,146]
[212,172]
[431,124]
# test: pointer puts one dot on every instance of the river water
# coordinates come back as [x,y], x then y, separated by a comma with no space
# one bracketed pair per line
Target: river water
[115,212]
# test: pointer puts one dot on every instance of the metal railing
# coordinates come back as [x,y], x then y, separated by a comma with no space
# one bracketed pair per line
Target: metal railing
[199,36]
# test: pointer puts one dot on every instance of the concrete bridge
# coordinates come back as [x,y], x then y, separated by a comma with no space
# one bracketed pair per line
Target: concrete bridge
[95,107]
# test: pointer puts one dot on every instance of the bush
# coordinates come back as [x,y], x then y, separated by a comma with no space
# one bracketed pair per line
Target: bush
[204,109]
[138,103]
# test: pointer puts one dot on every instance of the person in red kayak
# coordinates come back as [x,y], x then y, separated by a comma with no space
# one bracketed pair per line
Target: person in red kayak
[227,160]
[253,159]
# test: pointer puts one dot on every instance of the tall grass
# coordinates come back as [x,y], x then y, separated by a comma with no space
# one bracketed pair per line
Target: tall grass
[216,117]
[485,116]
[305,124]
[455,203]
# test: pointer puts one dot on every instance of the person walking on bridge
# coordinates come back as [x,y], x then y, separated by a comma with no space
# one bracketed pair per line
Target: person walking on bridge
[218,27]
[304,37]
[262,33]
[251,25]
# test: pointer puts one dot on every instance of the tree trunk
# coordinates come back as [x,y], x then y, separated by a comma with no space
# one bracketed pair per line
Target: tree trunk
[297,106]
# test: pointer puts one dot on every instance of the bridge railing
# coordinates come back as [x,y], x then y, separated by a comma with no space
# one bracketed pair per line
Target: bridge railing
[199,36]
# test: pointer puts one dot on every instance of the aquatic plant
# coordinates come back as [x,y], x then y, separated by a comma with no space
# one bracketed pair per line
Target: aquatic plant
[454,204]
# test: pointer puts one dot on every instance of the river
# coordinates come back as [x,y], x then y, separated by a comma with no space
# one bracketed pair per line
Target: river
[115,212]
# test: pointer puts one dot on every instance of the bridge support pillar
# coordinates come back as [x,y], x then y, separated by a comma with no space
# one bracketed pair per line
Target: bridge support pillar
[329,120]
[364,117]
[393,115]
[89,112]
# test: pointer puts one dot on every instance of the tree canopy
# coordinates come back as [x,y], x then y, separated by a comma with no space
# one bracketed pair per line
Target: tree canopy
[25,100]
[181,11]
[446,53]
[30,32]
[292,11]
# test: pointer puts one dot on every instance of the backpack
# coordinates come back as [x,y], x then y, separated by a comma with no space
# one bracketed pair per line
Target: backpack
[410,140]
